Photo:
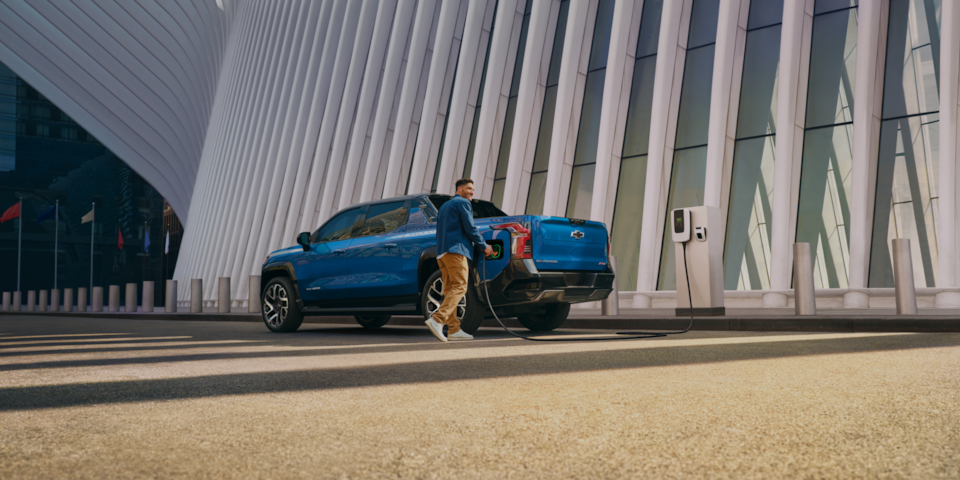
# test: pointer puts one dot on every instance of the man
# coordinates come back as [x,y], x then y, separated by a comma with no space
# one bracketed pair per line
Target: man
[456,236]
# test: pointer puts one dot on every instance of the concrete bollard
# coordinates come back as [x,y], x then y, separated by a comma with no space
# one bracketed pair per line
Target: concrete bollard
[31,300]
[906,291]
[17,302]
[253,304]
[42,301]
[804,298]
[82,299]
[97,299]
[196,295]
[55,300]
[68,300]
[611,305]
[170,302]
[7,300]
[130,300]
[114,298]
[223,299]
[147,302]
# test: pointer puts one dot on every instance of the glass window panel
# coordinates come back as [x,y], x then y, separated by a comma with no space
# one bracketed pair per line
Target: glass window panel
[758,92]
[521,51]
[497,197]
[553,74]
[627,217]
[833,62]
[910,85]
[703,23]
[538,186]
[823,219]
[907,171]
[589,135]
[649,37]
[384,218]
[468,164]
[694,118]
[541,158]
[765,13]
[824,6]
[746,255]
[686,190]
[581,191]
[636,138]
[503,157]
[340,228]
[601,35]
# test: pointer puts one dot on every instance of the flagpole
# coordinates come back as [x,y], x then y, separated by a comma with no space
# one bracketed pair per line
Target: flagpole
[93,228]
[56,241]
[19,243]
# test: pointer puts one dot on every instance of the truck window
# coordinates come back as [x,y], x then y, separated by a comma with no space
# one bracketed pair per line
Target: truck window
[338,228]
[384,218]
[481,208]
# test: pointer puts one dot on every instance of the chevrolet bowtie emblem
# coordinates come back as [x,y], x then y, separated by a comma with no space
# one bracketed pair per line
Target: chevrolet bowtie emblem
[577,234]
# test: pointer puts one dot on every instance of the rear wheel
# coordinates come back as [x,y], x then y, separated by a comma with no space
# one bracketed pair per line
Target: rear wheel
[470,310]
[551,317]
[278,306]
[372,321]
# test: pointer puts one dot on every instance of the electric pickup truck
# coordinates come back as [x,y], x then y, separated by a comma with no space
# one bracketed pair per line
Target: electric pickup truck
[379,259]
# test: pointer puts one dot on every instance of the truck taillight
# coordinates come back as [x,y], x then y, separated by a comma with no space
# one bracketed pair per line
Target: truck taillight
[521,245]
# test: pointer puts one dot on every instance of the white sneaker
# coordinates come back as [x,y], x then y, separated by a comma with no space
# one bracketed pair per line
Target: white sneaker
[436,328]
[460,335]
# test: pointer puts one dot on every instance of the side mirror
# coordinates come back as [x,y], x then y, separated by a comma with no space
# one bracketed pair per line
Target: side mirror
[304,240]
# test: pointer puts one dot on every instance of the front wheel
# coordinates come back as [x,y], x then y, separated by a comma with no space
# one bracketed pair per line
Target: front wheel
[278,306]
[470,310]
[551,317]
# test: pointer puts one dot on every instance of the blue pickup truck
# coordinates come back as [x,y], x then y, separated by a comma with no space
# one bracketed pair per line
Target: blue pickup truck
[378,259]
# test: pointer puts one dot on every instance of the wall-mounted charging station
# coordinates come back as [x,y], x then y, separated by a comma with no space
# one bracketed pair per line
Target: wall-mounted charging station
[700,255]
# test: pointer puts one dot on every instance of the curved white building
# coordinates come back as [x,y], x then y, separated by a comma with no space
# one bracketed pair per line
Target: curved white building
[802,120]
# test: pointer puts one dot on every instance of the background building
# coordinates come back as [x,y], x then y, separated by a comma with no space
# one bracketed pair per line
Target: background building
[802,120]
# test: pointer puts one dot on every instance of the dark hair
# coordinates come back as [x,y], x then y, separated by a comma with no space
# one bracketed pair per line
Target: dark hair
[463,181]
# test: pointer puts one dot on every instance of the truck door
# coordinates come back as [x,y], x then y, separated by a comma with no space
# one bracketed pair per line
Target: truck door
[374,255]
[322,271]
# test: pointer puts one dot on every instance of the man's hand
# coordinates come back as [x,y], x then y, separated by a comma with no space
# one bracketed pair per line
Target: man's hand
[488,251]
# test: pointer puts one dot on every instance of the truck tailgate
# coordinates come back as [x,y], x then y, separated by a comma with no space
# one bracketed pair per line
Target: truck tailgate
[564,244]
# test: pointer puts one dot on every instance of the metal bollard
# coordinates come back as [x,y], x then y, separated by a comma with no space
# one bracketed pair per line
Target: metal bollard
[55,300]
[804,298]
[97,299]
[253,302]
[114,298]
[82,299]
[611,305]
[196,295]
[130,302]
[223,299]
[7,300]
[31,300]
[903,277]
[42,301]
[147,301]
[170,302]
[68,300]
[17,302]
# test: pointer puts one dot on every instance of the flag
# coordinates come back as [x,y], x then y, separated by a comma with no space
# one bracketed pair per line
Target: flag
[119,239]
[48,215]
[87,218]
[11,213]
[146,242]
[166,248]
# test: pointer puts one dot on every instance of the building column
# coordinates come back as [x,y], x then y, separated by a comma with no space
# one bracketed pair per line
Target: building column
[947,241]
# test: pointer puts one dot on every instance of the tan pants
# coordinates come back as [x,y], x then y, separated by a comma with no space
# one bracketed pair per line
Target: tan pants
[453,269]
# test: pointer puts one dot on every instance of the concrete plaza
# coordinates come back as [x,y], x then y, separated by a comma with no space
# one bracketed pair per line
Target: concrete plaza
[105,398]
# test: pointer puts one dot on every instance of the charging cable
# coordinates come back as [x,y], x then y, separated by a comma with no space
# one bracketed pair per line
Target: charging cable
[624,335]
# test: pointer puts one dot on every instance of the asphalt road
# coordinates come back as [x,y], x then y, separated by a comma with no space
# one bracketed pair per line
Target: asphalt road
[94,398]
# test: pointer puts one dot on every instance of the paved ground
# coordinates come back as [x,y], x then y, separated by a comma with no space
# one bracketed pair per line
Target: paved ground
[89,398]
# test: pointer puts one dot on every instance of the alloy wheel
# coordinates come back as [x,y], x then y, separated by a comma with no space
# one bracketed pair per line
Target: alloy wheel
[276,305]
[435,298]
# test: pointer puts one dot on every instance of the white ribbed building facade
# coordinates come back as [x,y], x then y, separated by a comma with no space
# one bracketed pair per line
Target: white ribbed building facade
[833,122]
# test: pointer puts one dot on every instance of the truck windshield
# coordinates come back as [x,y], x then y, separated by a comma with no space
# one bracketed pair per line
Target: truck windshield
[481,208]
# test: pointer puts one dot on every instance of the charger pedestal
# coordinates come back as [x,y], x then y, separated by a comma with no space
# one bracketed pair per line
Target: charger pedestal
[704,263]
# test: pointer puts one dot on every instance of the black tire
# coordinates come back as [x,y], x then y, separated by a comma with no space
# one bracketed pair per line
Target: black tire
[470,311]
[547,319]
[372,321]
[278,306]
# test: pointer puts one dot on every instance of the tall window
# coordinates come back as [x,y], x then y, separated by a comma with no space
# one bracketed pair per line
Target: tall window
[628,210]
[907,184]
[823,219]
[746,255]
[585,155]
[690,154]
[541,156]
[468,164]
[503,157]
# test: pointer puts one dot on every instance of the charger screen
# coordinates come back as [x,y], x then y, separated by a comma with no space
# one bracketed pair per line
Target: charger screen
[678,221]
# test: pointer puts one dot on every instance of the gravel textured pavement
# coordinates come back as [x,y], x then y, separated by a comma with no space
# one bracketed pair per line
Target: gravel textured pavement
[83,398]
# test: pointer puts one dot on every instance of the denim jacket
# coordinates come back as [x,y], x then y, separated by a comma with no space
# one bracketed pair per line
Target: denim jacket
[456,232]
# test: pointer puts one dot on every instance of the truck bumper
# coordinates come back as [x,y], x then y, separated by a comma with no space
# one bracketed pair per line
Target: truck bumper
[522,283]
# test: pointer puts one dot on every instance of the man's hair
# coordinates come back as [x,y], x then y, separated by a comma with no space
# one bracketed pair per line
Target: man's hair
[463,181]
